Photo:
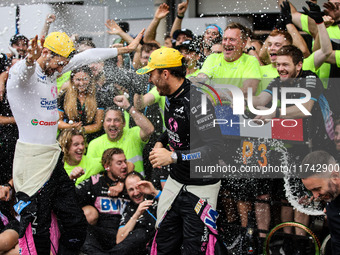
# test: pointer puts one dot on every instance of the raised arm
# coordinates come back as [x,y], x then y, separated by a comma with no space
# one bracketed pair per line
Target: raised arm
[150,33]
[333,58]
[325,51]
[298,40]
[142,101]
[146,127]
[133,45]
[296,18]
[49,20]
[123,231]
[181,9]
[115,29]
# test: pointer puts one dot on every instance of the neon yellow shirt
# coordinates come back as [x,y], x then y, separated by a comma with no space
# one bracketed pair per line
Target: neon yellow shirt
[236,72]
[194,74]
[130,143]
[90,166]
[304,23]
[268,73]
[62,79]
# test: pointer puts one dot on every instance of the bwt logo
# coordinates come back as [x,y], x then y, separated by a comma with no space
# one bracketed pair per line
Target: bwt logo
[36,122]
[239,102]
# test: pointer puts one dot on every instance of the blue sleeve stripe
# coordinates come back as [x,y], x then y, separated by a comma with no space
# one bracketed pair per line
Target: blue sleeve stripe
[121,226]
[268,91]
[312,98]
[60,110]
[163,180]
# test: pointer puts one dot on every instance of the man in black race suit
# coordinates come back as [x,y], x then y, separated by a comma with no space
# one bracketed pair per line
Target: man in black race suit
[193,141]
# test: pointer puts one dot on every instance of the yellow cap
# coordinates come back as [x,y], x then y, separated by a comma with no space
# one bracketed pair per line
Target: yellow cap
[60,43]
[162,58]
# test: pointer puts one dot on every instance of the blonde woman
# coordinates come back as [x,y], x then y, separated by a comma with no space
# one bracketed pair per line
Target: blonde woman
[78,106]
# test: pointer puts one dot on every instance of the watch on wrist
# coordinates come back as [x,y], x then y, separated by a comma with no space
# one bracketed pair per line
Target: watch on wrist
[174,157]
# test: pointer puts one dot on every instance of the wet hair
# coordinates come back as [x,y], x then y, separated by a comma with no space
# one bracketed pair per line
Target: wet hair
[16,38]
[285,34]
[65,140]
[108,154]
[178,71]
[84,69]
[134,174]
[148,47]
[167,37]
[114,108]
[290,50]
[71,95]
[244,31]
[87,42]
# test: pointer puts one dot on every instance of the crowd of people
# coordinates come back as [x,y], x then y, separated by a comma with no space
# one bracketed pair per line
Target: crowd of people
[98,144]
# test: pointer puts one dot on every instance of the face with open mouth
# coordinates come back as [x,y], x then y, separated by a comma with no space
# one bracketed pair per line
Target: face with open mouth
[210,36]
[274,44]
[76,150]
[323,187]
[81,81]
[134,193]
[233,44]
[286,68]
[114,124]
[118,167]
[54,63]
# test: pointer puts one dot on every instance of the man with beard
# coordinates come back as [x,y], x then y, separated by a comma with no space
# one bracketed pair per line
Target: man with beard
[193,141]
[117,134]
[325,186]
[289,66]
[40,180]
[104,194]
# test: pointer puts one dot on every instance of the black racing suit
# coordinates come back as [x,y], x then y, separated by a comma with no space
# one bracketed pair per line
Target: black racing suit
[94,191]
[196,142]
[333,212]
[136,241]
[58,195]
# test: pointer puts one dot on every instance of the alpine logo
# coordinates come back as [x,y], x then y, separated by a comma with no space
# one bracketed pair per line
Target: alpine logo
[180,110]
[36,122]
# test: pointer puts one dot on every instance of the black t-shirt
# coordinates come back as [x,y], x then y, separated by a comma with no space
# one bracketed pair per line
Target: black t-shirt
[5,62]
[313,126]
[94,191]
[9,135]
[145,221]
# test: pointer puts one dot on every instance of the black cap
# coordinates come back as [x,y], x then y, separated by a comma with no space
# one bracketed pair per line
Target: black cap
[185,31]
[191,45]
[16,38]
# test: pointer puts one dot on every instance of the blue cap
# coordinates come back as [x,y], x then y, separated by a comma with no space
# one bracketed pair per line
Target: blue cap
[214,26]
